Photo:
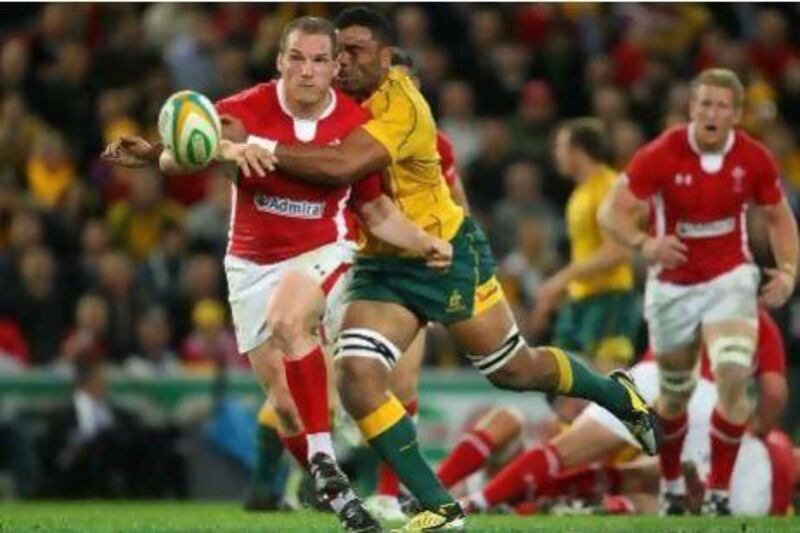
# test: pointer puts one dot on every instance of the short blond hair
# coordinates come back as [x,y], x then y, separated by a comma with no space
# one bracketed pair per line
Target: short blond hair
[721,77]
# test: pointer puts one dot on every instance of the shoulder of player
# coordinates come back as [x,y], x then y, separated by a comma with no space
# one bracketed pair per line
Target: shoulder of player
[346,106]
[749,146]
[259,93]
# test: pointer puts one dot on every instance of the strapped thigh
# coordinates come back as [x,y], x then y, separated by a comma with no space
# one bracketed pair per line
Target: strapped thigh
[361,342]
[494,361]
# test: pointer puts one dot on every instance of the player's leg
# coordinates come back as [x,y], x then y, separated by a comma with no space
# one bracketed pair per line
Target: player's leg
[730,332]
[267,363]
[677,381]
[492,432]
[263,495]
[731,346]
[373,336]
[293,314]
[403,382]
[584,442]
[497,349]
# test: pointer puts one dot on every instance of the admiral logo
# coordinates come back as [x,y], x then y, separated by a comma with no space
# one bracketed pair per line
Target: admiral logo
[683,179]
[289,208]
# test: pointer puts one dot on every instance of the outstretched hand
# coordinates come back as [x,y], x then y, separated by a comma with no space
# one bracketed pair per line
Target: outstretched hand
[131,151]
[251,159]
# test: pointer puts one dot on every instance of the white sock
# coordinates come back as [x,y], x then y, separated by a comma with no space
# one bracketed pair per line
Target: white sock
[342,499]
[673,486]
[479,501]
[320,442]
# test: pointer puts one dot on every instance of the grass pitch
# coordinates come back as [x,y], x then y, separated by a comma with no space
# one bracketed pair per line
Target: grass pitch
[91,516]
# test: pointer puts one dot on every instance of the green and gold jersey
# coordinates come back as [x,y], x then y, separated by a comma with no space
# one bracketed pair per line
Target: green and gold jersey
[585,236]
[403,123]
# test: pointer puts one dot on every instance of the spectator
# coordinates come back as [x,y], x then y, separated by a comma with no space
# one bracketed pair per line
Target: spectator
[523,199]
[40,304]
[93,449]
[771,52]
[457,119]
[14,353]
[153,356]
[483,177]
[210,343]
[137,223]
[19,131]
[207,222]
[115,282]
[530,127]
[50,169]
[201,279]
[161,273]
[87,340]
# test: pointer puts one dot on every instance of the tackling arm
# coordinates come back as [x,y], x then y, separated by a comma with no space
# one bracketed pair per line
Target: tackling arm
[357,155]
[773,395]
[386,222]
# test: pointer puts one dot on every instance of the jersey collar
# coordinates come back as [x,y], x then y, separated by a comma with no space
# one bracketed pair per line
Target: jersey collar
[696,149]
[285,107]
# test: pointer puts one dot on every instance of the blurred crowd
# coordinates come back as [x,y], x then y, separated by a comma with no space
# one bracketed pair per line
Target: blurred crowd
[124,266]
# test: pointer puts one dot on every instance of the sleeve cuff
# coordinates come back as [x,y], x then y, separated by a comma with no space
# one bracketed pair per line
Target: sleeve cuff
[263,142]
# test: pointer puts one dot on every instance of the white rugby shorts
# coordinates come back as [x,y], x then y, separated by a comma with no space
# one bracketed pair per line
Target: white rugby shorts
[251,286]
[675,312]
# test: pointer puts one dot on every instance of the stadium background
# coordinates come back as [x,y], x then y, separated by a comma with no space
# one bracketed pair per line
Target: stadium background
[101,263]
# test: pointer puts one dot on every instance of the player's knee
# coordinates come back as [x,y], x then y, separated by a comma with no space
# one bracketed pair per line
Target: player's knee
[359,380]
[289,328]
[498,365]
[676,387]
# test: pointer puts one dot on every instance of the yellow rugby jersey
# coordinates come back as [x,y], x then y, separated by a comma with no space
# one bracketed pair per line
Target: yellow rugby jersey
[402,122]
[585,236]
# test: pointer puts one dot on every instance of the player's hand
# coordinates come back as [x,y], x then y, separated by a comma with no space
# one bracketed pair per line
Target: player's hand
[438,253]
[132,151]
[778,289]
[667,251]
[250,158]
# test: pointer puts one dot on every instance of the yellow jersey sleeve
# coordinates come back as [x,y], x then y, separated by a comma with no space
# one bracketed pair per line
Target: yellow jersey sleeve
[396,125]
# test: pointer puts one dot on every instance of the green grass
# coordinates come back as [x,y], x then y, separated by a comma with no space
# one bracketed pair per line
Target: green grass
[90,516]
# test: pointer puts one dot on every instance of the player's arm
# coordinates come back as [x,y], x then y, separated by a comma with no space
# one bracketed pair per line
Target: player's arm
[357,155]
[385,221]
[621,214]
[781,229]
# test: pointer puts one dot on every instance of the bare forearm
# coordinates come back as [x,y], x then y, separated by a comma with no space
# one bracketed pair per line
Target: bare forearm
[398,231]
[782,231]
[327,166]
[386,222]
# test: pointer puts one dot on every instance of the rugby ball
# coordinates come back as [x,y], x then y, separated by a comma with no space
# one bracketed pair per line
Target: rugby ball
[190,129]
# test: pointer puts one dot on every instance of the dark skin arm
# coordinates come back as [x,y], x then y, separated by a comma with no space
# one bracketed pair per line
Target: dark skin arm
[359,154]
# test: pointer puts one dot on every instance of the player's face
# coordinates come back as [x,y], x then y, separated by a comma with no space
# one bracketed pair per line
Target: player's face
[561,152]
[308,67]
[713,109]
[362,61]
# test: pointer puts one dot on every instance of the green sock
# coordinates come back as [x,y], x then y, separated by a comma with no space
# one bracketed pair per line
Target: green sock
[390,431]
[578,380]
[269,451]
